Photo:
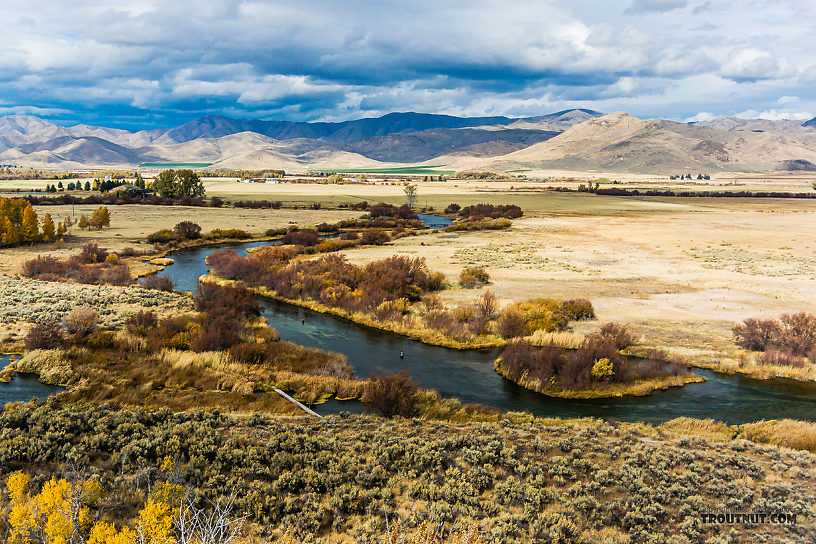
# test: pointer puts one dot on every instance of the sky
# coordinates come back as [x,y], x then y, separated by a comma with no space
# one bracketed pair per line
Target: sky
[145,63]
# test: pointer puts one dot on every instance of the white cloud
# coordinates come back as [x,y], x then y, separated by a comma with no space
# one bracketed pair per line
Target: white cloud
[702,116]
[787,99]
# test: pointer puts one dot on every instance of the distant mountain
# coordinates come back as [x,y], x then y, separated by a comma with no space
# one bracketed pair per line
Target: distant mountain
[619,142]
[576,140]
[394,138]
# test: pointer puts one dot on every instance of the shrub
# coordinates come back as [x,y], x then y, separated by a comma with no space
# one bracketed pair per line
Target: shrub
[80,321]
[305,237]
[91,253]
[453,208]
[229,265]
[473,276]
[46,335]
[781,358]
[117,275]
[43,267]
[394,395]
[216,300]
[797,333]
[187,230]
[577,309]
[162,236]
[480,211]
[351,235]
[756,334]
[141,322]
[619,334]
[157,282]
[374,237]
[511,324]
[218,333]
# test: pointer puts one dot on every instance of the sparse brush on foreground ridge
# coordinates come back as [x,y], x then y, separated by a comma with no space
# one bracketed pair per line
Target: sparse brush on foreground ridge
[111,476]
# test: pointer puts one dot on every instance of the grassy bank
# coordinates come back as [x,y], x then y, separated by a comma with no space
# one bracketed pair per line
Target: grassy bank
[639,388]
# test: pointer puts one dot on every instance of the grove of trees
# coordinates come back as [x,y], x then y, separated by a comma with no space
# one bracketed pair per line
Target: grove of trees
[19,224]
[178,183]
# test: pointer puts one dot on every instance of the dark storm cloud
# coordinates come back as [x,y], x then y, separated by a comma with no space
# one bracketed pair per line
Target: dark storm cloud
[145,62]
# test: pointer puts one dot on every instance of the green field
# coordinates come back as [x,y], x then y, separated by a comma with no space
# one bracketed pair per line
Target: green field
[416,170]
[175,165]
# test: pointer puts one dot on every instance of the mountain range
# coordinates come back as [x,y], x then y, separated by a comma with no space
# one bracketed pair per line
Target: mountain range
[573,140]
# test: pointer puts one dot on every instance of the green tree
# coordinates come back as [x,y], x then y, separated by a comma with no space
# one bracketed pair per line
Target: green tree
[178,183]
[87,185]
[140,182]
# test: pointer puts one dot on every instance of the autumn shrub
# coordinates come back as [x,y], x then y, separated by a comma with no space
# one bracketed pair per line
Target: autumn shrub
[493,211]
[350,235]
[619,334]
[80,322]
[389,210]
[44,267]
[302,237]
[187,230]
[511,324]
[393,395]
[91,253]
[229,265]
[117,275]
[162,236]
[473,276]
[797,333]
[792,333]
[47,335]
[577,309]
[523,362]
[326,227]
[141,322]
[158,282]
[452,208]
[219,300]
[781,358]
[374,237]
[219,332]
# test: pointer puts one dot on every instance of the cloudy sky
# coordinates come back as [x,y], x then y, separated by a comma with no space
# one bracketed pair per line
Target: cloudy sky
[146,63]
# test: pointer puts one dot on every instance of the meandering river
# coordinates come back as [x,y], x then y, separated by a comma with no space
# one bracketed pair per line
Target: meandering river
[469,376]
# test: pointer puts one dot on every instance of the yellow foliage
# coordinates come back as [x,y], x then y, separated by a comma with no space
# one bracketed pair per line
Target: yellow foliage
[602,369]
[105,533]
[156,522]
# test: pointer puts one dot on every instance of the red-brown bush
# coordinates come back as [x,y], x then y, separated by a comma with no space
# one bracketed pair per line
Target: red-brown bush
[394,395]
[303,237]
[157,282]
[46,335]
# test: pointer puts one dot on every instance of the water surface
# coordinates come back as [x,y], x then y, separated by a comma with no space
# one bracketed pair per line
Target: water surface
[23,387]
